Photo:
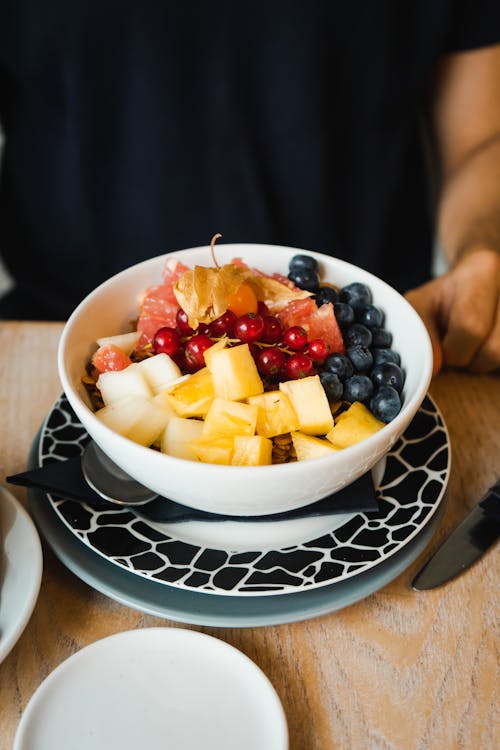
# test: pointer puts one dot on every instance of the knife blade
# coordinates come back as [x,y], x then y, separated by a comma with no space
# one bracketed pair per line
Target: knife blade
[466,544]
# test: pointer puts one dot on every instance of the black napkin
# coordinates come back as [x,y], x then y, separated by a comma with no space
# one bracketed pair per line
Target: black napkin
[64,479]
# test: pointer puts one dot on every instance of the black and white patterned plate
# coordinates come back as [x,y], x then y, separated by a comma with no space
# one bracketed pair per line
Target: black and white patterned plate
[409,494]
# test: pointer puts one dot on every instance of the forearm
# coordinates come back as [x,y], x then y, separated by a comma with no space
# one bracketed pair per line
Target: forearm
[469,209]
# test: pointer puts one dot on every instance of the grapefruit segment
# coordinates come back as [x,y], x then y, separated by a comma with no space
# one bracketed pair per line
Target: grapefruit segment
[159,304]
[323,325]
[297,311]
[110,357]
[319,322]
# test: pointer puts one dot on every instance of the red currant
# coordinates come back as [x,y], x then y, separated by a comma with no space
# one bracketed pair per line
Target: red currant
[273,330]
[224,325]
[249,327]
[254,351]
[182,323]
[167,341]
[203,330]
[299,366]
[271,362]
[262,308]
[295,338]
[180,359]
[318,350]
[194,349]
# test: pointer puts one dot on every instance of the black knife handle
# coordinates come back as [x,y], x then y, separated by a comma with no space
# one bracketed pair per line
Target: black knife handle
[490,504]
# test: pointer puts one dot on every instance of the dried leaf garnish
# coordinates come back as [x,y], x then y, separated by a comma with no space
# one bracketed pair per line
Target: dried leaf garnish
[274,293]
[203,292]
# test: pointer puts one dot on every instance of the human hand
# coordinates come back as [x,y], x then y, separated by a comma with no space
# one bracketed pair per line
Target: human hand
[461,310]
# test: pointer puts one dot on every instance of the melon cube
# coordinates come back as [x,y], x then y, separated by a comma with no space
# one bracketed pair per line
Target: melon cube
[235,373]
[164,404]
[159,371]
[230,418]
[115,385]
[121,417]
[308,446]
[178,435]
[353,425]
[124,341]
[192,396]
[136,417]
[252,450]
[214,449]
[276,415]
[310,404]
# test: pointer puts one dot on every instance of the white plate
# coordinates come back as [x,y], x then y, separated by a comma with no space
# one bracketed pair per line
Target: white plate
[155,688]
[204,609]
[20,570]
[309,553]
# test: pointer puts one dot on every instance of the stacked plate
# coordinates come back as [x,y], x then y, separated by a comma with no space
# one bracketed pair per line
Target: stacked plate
[20,570]
[244,573]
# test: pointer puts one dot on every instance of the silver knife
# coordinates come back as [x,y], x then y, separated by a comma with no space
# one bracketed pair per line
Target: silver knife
[477,532]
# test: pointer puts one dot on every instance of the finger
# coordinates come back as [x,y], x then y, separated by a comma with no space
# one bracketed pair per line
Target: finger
[424,302]
[487,358]
[471,318]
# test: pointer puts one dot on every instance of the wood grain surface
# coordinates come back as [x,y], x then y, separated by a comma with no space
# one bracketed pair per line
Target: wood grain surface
[400,670]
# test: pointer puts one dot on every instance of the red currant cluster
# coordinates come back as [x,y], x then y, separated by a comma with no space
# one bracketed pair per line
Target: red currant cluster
[278,353]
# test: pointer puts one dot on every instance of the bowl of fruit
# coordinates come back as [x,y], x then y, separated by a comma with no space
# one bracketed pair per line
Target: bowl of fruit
[245,379]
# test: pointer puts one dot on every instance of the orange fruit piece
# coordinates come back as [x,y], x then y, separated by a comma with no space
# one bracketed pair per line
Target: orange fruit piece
[243,301]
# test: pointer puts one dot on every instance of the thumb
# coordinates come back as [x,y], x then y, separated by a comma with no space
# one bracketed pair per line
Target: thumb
[423,301]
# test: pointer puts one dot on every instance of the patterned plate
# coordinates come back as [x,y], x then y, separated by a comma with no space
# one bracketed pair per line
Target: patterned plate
[409,493]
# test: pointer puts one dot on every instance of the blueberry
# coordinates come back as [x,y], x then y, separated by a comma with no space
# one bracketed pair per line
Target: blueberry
[303,263]
[332,386]
[358,388]
[370,316]
[361,357]
[357,334]
[340,365]
[388,373]
[305,279]
[381,338]
[385,403]
[325,294]
[356,294]
[385,355]
[344,314]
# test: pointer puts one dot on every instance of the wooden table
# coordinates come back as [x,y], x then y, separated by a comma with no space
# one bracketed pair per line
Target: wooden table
[399,670]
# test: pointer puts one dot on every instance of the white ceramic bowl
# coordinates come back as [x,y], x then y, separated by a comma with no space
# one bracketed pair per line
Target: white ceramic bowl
[238,490]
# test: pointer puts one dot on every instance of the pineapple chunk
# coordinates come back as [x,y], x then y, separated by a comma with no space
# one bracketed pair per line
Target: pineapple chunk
[307,446]
[310,404]
[353,425]
[177,436]
[252,450]
[117,384]
[215,449]
[276,415]
[221,344]
[230,418]
[136,417]
[159,371]
[124,341]
[191,397]
[235,374]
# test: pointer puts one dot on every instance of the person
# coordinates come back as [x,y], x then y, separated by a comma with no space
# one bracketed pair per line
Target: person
[364,131]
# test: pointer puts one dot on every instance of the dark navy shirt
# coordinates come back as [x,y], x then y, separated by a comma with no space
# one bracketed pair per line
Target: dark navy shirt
[135,128]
